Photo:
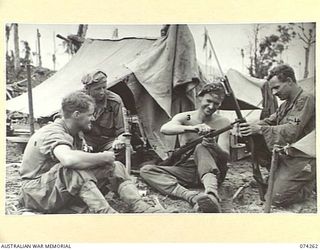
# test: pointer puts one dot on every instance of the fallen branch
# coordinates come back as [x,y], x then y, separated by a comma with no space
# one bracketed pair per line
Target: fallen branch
[156,201]
[237,193]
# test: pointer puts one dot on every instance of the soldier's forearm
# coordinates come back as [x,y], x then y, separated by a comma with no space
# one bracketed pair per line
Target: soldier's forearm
[280,134]
[174,129]
[82,160]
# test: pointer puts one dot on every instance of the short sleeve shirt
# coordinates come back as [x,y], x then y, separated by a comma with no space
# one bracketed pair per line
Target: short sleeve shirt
[38,156]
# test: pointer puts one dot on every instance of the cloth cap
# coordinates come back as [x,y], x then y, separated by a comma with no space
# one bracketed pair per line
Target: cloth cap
[216,87]
[93,77]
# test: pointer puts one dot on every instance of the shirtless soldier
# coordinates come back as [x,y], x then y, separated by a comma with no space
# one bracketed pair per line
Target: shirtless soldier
[208,164]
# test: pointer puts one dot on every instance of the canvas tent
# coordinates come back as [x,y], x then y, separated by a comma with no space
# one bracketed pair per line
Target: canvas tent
[245,87]
[305,147]
[156,78]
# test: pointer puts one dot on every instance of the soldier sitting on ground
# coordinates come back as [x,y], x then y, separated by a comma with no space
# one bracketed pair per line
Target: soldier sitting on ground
[56,171]
[208,165]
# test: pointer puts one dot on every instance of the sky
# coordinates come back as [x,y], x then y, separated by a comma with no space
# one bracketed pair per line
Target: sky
[228,40]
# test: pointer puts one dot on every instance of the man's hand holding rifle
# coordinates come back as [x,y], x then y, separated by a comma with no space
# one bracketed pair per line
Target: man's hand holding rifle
[249,142]
[207,138]
[201,158]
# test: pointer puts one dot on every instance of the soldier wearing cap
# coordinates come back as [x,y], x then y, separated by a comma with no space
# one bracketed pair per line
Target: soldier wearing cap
[294,119]
[208,165]
[108,125]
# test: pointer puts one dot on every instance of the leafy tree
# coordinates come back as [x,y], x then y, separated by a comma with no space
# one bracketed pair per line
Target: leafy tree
[305,34]
[266,52]
[308,37]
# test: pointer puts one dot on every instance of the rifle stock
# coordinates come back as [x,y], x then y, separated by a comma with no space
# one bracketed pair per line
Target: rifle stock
[176,155]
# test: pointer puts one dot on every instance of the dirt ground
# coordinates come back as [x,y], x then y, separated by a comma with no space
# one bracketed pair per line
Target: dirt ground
[239,174]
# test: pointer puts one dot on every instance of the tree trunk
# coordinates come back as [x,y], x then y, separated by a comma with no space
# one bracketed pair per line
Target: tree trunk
[7,39]
[16,49]
[306,65]
[82,30]
[39,47]
[255,55]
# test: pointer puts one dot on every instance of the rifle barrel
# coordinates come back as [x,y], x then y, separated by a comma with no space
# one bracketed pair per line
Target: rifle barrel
[63,38]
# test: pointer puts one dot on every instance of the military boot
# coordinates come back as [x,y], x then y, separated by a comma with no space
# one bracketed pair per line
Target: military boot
[93,198]
[201,202]
[129,193]
[210,183]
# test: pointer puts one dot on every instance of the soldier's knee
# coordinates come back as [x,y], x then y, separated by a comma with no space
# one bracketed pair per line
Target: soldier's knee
[280,194]
[120,170]
[74,179]
[285,198]
[281,202]
[277,200]
[146,171]
[199,147]
[80,176]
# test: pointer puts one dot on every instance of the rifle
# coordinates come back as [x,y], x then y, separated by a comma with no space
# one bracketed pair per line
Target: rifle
[249,142]
[175,158]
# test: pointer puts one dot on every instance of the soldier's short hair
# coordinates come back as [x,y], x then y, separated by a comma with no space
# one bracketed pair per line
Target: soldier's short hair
[76,101]
[282,72]
[216,87]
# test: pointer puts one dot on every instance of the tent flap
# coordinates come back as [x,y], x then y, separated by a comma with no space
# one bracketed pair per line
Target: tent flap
[169,63]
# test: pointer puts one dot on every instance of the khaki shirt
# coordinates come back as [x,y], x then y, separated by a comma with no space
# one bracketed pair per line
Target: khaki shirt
[292,121]
[38,157]
[108,122]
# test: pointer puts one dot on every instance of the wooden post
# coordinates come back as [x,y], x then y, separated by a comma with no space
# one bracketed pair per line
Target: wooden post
[274,166]
[127,136]
[54,52]
[39,51]
[16,49]
[30,100]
